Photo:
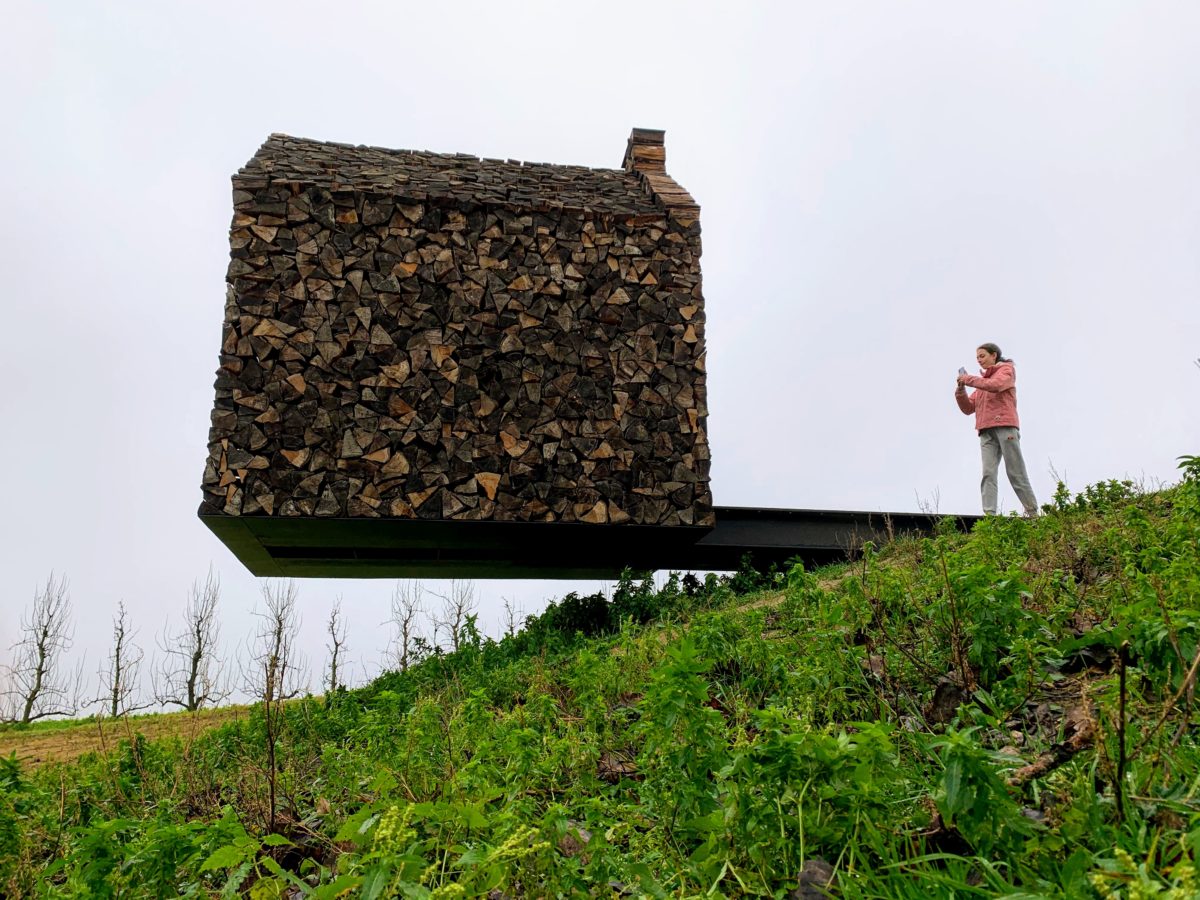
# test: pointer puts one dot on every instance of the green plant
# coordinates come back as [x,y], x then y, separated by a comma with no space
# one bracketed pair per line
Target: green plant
[1005,713]
[973,799]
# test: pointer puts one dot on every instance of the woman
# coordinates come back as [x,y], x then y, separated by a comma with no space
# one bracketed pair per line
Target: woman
[994,403]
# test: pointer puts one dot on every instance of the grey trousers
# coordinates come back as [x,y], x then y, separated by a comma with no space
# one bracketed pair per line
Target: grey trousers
[1004,441]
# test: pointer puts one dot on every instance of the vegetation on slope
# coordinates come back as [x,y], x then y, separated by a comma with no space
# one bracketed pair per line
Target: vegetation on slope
[1007,713]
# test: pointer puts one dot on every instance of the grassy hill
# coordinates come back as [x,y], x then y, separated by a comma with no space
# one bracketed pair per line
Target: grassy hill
[65,740]
[1005,713]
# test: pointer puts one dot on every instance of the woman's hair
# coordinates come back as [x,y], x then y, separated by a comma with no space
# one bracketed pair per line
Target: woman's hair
[993,348]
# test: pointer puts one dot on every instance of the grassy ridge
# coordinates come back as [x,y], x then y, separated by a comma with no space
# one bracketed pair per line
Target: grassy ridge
[65,740]
[1007,713]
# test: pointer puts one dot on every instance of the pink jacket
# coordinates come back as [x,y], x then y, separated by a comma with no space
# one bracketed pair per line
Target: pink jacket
[994,401]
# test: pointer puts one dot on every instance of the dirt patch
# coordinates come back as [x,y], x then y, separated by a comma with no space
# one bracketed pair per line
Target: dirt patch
[664,635]
[36,747]
[765,601]
[769,600]
[760,602]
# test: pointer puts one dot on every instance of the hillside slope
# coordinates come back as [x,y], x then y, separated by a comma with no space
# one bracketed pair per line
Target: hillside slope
[1005,713]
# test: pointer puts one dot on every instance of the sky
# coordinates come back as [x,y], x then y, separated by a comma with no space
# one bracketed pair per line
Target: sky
[883,187]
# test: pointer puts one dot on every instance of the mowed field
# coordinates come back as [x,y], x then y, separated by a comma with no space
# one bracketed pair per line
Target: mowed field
[63,741]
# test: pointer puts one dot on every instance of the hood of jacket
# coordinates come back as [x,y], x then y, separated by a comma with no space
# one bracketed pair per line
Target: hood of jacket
[990,371]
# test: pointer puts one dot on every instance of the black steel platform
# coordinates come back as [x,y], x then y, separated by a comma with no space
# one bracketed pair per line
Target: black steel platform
[415,548]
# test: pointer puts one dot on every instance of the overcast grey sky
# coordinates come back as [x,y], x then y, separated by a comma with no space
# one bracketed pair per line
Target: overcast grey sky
[884,186]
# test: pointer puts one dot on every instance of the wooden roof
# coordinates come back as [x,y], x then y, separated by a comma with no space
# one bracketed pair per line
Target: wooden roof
[643,188]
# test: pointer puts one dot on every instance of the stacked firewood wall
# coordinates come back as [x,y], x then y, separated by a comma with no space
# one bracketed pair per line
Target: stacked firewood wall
[434,358]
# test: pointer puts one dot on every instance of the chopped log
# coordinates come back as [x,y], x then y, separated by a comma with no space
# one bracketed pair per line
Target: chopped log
[415,334]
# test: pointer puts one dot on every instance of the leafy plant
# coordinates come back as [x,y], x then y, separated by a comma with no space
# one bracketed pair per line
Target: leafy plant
[1005,713]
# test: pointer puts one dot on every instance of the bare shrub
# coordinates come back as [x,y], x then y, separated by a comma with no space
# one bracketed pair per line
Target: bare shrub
[276,669]
[120,673]
[408,604]
[513,617]
[336,629]
[931,505]
[458,604]
[275,673]
[190,673]
[39,684]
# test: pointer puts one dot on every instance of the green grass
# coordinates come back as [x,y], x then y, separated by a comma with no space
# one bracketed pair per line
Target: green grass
[88,722]
[1005,713]
[47,725]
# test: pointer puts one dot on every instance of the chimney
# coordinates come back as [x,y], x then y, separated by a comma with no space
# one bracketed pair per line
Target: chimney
[645,152]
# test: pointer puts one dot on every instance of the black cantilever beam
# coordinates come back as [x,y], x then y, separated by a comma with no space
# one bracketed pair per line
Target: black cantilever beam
[417,548]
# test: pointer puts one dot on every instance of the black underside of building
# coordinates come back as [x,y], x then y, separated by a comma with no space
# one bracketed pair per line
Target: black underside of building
[416,548]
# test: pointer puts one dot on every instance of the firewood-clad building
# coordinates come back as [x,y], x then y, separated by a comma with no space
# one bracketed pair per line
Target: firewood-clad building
[427,336]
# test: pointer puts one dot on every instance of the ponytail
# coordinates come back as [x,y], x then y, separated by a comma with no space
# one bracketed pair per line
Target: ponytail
[994,349]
